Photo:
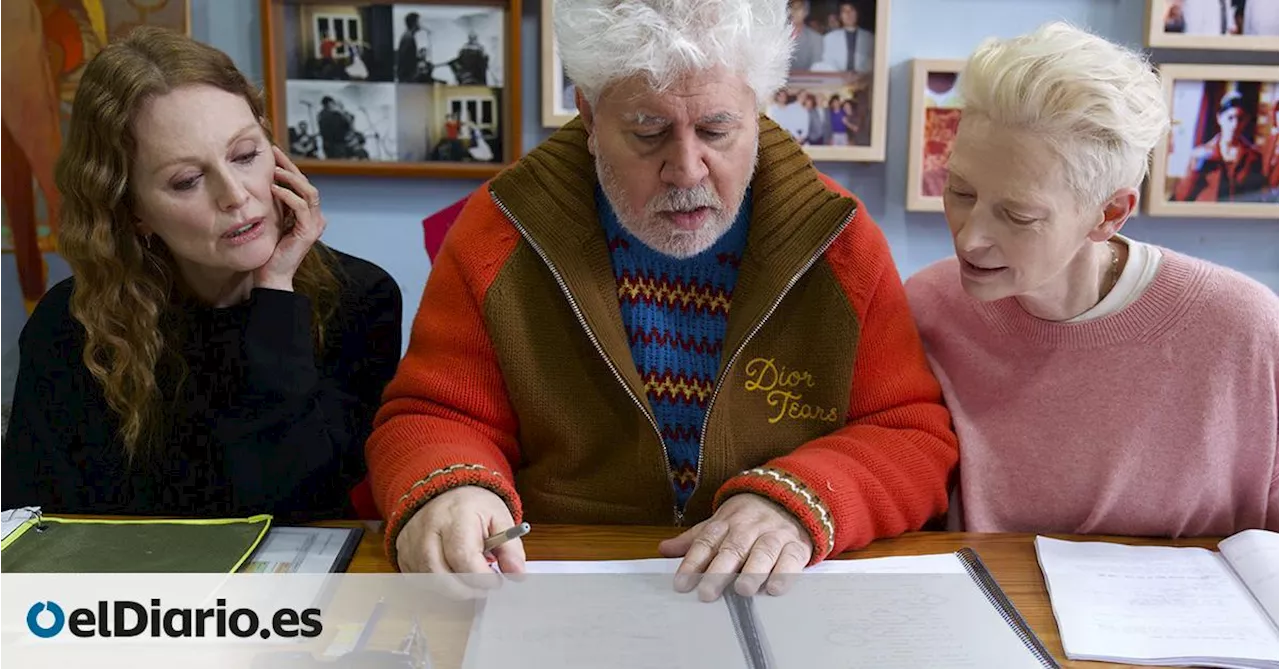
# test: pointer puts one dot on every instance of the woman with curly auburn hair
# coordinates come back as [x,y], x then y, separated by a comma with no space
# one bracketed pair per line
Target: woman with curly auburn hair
[209,356]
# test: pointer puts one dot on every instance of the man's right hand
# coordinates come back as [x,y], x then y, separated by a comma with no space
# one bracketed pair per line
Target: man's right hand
[446,535]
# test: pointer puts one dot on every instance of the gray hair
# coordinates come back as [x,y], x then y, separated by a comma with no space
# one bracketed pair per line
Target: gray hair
[1099,105]
[605,41]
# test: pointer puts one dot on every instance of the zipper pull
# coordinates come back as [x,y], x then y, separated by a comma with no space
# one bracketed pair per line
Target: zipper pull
[679,516]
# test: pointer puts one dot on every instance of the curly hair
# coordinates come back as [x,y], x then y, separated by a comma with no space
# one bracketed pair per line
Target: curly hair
[123,287]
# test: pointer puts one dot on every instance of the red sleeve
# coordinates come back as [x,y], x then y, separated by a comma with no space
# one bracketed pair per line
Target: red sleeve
[886,471]
[446,420]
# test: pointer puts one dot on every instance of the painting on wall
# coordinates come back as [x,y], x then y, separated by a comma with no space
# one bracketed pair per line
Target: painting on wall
[836,96]
[1232,25]
[935,117]
[46,45]
[387,89]
[1221,157]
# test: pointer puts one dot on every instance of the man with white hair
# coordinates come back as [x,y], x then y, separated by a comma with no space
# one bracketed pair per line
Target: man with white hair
[663,315]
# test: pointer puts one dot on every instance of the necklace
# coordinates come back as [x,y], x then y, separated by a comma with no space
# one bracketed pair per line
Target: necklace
[1113,272]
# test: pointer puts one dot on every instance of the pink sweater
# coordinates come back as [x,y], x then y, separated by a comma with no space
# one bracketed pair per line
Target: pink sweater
[1157,420]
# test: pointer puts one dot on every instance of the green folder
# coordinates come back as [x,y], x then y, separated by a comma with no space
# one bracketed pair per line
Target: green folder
[49,544]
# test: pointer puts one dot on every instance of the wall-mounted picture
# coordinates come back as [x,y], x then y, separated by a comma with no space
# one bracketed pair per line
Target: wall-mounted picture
[935,117]
[1232,25]
[836,96]
[65,35]
[383,88]
[558,91]
[1221,156]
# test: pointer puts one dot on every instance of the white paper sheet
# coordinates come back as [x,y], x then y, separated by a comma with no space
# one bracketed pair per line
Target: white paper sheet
[890,621]
[595,621]
[639,621]
[12,519]
[1153,605]
[941,563]
[1255,557]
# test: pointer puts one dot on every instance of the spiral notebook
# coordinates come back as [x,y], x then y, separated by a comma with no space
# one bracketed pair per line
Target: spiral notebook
[943,610]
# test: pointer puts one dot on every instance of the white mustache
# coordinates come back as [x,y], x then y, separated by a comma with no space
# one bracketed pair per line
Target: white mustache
[685,199]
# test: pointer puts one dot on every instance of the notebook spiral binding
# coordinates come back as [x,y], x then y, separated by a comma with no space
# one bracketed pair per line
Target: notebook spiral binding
[978,572]
[743,615]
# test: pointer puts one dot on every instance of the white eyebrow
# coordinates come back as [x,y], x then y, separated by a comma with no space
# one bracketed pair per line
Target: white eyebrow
[641,118]
[722,117]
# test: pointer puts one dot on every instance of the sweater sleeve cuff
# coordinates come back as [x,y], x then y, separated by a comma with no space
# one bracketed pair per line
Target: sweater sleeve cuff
[794,496]
[279,351]
[440,481]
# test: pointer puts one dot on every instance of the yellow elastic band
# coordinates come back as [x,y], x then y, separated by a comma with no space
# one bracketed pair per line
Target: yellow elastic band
[22,529]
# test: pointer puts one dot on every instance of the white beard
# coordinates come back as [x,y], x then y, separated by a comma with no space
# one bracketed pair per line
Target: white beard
[653,231]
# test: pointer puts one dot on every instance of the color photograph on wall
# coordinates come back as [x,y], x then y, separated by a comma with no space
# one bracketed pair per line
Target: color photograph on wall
[1220,159]
[558,91]
[1232,25]
[935,117]
[42,68]
[836,95]
[394,88]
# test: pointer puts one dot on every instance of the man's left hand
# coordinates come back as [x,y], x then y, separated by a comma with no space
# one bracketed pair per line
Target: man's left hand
[749,534]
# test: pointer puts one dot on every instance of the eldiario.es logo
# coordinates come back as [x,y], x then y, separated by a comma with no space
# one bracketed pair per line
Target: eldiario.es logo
[124,618]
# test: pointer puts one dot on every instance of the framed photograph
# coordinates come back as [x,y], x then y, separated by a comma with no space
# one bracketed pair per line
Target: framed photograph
[558,106]
[1220,159]
[935,116]
[836,95]
[1232,25]
[394,89]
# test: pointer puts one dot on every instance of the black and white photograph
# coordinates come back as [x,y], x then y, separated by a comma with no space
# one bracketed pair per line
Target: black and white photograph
[339,42]
[449,44]
[469,125]
[376,87]
[415,119]
[342,121]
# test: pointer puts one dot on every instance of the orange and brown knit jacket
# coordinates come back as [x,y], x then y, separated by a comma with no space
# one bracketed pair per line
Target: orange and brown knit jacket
[519,376]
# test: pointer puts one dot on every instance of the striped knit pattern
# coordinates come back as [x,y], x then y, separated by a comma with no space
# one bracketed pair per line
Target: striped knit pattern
[675,313]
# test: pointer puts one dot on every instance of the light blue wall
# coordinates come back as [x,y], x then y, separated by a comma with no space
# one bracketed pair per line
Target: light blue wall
[379,219]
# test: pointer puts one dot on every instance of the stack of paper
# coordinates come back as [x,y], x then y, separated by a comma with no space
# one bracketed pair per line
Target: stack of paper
[1159,605]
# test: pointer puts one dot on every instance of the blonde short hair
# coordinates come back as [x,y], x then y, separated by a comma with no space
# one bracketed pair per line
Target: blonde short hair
[1099,105]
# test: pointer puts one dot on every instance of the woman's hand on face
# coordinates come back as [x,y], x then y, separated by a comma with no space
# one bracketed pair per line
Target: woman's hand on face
[302,224]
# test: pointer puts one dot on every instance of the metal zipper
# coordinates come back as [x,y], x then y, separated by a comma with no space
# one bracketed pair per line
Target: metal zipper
[706,419]
[678,514]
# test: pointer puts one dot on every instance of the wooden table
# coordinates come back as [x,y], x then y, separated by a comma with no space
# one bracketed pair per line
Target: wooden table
[1010,558]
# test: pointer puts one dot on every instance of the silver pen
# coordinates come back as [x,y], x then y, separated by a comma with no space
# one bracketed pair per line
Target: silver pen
[514,532]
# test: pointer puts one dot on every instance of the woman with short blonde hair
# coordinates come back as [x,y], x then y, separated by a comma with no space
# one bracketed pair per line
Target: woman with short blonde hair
[1098,384]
